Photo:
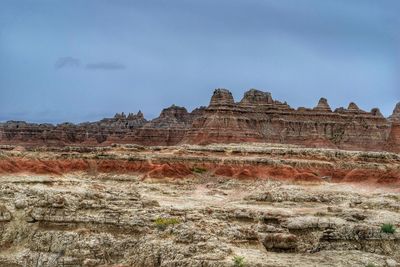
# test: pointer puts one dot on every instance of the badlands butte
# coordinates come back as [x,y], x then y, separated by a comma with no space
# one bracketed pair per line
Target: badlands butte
[249,183]
[256,118]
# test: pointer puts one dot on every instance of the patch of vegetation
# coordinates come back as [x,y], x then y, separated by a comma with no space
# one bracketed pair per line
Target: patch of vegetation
[388,228]
[198,170]
[163,223]
[238,261]
[370,265]
[104,156]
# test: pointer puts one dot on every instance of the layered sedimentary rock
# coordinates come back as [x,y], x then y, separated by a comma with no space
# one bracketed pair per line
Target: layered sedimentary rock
[131,205]
[96,219]
[393,143]
[105,130]
[256,97]
[396,114]
[255,118]
[323,105]
[263,161]
[168,129]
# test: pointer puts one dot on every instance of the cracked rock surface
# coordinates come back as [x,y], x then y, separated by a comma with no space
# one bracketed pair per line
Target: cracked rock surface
[78,219]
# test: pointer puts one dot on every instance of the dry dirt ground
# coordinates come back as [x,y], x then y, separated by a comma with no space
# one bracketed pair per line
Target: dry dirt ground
[77,219]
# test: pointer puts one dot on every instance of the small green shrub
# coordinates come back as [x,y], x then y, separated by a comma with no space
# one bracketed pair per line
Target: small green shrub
[238,261]
[388,228]
[198,170]
[163,223]
[370,265]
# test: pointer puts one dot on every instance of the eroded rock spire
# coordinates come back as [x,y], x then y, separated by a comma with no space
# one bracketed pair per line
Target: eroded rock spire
[395,117]
[256,97]
[353,107]
[222,97]
[323,105]
[376,112]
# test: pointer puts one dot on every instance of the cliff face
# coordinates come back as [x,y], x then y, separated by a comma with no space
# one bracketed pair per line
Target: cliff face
[168,129]
[256,118]
[104,131]
[393,143]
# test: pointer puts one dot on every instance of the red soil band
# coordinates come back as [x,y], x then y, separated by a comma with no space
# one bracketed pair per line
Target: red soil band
[151,169]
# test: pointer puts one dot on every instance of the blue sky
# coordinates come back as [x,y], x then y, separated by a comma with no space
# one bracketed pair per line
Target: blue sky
[81,60]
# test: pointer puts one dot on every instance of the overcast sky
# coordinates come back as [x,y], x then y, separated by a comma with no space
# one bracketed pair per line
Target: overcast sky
[81,60]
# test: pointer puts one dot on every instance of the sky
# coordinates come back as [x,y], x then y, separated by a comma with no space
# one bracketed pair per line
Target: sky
[82,60]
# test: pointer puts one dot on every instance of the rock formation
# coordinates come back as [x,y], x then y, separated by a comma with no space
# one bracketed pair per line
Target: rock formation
[393,143]
[395,117]
[256,118]
[376,112]
[323,105]
[353,107]
[255,97]
[109,206]
[168,129]
[222,97]
[259,118]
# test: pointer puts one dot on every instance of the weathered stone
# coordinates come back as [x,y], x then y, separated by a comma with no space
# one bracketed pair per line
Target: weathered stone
[256,97]
[5,215]
[222,97]
[323,105]
[395,117]
[353,106]
[113,218]
[279,241]
[20,203]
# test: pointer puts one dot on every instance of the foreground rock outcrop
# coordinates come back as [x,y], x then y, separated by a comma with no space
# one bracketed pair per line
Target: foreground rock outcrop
[255,118]
[189,205]
[121,220]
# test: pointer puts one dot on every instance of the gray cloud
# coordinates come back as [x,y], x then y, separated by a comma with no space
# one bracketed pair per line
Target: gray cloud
[67,62]
[105,66]
[300,50]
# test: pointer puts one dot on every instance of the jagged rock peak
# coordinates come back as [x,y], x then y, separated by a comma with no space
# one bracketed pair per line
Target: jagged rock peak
[302,109]
[340,110]
[198,111]
[222,97]
[138,115]
[353,106]
[174,111]
[397,109]
[396,114]
[120,116]
[376,112]
[323,105]
[254,96]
